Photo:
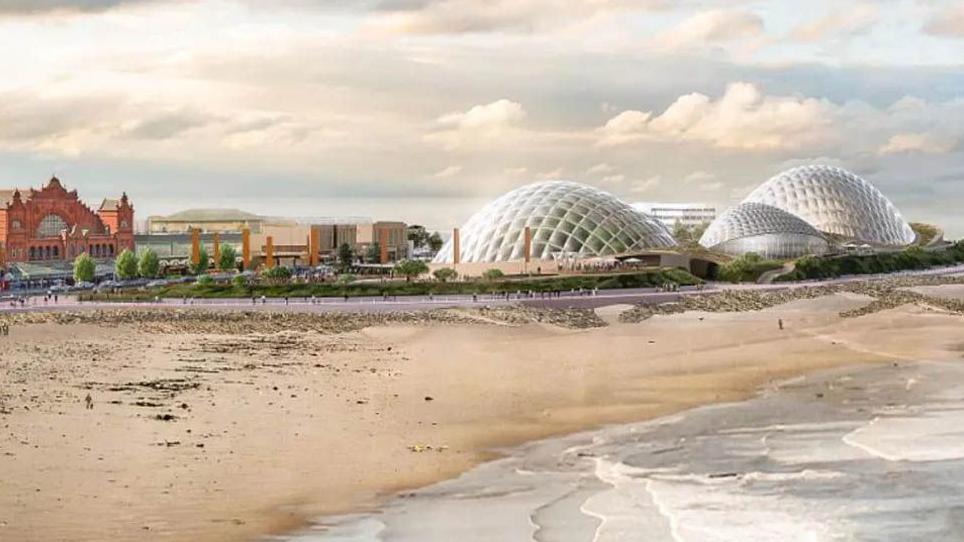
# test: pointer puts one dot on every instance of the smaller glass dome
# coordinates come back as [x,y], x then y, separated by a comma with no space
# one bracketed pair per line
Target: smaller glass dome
[772,233]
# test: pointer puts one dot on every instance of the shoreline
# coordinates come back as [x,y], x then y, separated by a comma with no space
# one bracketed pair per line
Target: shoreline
[491,387]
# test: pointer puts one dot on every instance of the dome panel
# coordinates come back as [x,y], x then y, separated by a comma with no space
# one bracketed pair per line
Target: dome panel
[565,217]
[836,201]
[765,230]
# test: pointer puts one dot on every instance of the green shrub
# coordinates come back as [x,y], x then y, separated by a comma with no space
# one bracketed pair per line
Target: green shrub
[149,265]
[746,268]
[240,281]
[492,274]
[205,280]
[445,274]
[84,268]
[277,273]
[228,259]
[126,265]
[204,261]
[411,268]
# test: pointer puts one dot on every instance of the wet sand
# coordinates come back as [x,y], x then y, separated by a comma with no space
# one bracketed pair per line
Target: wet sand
[204,434]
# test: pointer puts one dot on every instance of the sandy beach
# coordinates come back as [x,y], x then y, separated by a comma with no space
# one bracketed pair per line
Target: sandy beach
[237,428]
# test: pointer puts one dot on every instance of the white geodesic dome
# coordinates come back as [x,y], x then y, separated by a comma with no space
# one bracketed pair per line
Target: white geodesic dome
[833,200]
[565,219]
[765,230]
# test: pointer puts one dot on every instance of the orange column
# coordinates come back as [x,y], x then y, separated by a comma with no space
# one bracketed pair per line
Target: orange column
[269,252]
[382,245]
[456,247]
[314,247]
[217,251]
[195,246]
[246,248]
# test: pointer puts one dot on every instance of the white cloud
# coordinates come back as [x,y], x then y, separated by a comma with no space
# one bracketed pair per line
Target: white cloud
[710,27]
[450,171]
[920,142]
[600,168]
[948,22]
[743,118]
[550,174]
[497,114]
[853,19]
[492,122]
[475,16]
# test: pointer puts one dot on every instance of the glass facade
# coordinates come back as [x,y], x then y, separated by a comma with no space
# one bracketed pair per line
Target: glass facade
[836,201]
[565,219]
[765,230]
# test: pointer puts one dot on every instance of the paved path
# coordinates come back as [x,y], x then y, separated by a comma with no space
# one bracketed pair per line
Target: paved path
[566,299]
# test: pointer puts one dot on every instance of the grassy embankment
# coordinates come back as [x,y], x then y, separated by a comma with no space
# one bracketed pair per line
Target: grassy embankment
[640,279]
[913,258]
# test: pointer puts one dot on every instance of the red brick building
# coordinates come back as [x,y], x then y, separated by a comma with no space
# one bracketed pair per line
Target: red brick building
[52,224]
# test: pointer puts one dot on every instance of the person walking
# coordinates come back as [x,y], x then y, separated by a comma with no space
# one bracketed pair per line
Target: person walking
[89,401]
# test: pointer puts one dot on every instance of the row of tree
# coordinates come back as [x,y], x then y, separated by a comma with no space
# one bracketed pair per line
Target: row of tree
[129,266]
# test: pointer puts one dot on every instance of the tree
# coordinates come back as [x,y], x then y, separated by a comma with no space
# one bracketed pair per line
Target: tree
[278,273]
[435,242]
[126,265]
[374,253]
[240,281]
[149,266]
[229,258]
[418,235]
[492,274]
[681,233]
[203,262]
[346,256]
[84,268]
[445,274]
[411,268]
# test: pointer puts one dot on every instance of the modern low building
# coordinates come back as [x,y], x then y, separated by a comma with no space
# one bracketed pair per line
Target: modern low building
[206,220]
[764,230]
[689,215]
[554,221]
[388,239]
[52,224]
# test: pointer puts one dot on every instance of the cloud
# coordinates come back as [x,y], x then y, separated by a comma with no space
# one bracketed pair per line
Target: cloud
[450,171]
[168,124]
[921,142]
[600,168]
[711,27]
[947,22]
[493,115]
[487,122]
[743,118]
[854,19]
[32,7]
[474,16]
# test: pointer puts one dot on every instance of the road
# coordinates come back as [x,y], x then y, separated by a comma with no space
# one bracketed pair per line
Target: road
[403,303]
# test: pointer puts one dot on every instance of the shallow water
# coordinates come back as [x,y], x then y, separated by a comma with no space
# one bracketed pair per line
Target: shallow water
[876,455]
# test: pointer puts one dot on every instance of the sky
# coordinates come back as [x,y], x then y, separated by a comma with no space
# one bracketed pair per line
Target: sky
[423,110]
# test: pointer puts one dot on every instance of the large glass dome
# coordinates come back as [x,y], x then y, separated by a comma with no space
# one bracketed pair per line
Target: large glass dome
[565,218]
[765,230]
[836,201]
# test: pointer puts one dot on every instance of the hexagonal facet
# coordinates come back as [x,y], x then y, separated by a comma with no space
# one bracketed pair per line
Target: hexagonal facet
[836,201]
[565,218]
[765,230]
